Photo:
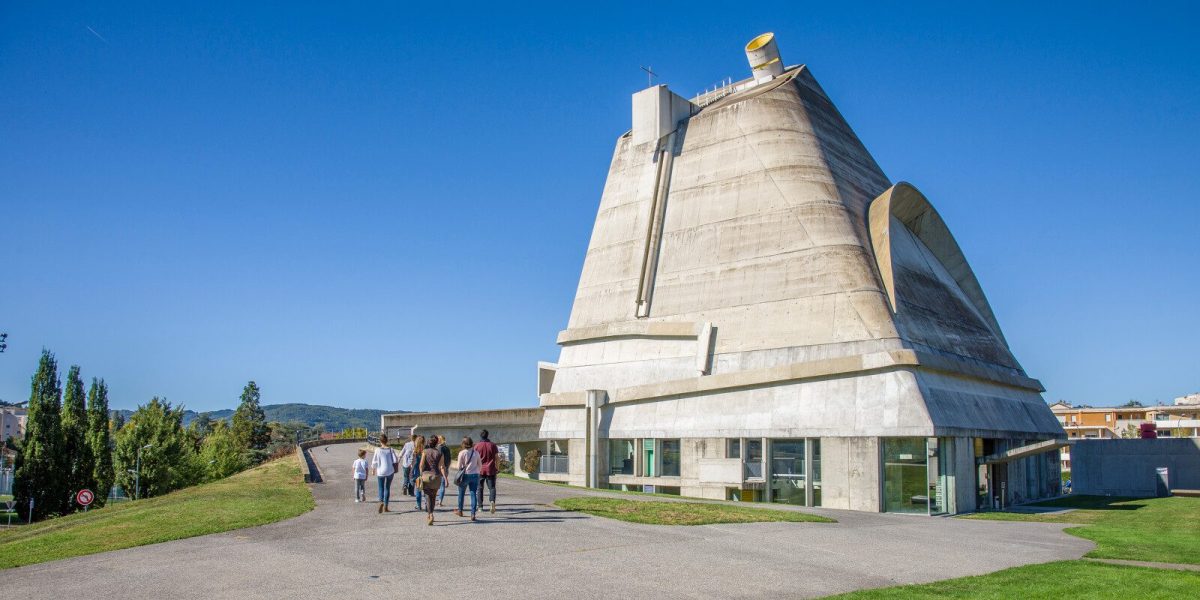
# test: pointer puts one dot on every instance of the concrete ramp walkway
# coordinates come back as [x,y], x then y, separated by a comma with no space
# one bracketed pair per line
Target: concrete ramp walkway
[531,549]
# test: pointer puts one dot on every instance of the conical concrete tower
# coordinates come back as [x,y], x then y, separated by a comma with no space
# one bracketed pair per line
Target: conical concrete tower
[762,314]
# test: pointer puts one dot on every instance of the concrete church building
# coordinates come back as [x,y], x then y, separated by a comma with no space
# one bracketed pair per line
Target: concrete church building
[764,315]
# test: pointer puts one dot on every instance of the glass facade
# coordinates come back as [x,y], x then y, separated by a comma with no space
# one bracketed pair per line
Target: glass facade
[917,475]
[905,475]
[733,448]
[787,472]
[648,468]
[620,457]
[670,458]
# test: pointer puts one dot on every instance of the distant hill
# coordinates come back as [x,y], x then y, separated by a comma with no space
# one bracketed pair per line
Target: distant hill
[332,417]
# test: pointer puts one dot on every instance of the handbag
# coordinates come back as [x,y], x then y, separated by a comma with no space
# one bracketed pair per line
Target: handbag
[430,479]
[461,479]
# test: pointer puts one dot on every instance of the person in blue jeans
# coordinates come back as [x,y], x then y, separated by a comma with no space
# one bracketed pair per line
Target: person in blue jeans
[469,464]
[384,463]
[445,450]
[418,450]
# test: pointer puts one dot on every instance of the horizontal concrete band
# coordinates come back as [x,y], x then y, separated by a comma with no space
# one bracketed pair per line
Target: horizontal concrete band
[1022,452]
[467,418]
[631,329]
[833,367]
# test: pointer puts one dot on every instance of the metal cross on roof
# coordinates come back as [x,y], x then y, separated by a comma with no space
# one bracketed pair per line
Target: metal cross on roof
[650,75]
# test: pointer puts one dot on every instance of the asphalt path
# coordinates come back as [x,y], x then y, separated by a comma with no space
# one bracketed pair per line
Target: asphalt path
[530,549]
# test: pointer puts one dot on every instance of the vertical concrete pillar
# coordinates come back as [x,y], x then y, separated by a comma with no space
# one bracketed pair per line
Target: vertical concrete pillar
[768,493]
[596,399]
[808,472]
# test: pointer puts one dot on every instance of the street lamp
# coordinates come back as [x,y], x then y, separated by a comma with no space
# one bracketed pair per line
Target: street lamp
[137,474]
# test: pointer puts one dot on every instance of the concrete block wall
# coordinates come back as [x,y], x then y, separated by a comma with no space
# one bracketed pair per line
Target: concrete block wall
[1126,467]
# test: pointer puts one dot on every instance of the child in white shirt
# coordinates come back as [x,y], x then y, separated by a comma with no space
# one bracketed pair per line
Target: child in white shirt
[360,477]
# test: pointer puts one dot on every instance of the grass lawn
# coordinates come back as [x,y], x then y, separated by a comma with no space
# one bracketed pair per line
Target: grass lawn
[576,487]
[270,492]
[652,512]
[1066,579]
[1149,529]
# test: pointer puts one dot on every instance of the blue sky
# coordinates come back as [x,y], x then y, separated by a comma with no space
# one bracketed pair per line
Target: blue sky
[382,206]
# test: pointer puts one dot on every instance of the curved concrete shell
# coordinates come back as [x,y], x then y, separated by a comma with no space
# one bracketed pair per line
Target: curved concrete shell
[753,274]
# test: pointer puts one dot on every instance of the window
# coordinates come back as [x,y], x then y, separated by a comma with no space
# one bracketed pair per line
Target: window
[754,456]
[1107,417]
[733,448]
[620,457]
[905,475]
[670,458]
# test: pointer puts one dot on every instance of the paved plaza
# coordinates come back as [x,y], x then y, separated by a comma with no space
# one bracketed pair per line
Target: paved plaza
[530,549]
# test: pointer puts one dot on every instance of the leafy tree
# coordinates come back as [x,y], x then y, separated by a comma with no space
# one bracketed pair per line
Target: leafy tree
[118,421]
[40,474]
[168,461]
[76,451]
[100,440]
[221,453]
[202,424]
[352,433]
[250,423]
[1132,404]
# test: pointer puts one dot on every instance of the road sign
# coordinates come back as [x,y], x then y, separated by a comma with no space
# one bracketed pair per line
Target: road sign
[84,497]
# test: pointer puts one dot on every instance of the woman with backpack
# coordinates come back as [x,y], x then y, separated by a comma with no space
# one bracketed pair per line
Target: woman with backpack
[468,475]
[432,473]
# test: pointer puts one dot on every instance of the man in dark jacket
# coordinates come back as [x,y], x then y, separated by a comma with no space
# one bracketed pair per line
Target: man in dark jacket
[489,467]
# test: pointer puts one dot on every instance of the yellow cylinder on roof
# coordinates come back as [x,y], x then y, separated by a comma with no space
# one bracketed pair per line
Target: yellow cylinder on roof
[763,55]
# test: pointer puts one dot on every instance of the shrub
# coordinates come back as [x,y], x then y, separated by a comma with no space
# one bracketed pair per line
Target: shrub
[531,461]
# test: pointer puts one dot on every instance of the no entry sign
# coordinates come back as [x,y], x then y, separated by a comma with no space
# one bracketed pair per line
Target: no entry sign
[84,497]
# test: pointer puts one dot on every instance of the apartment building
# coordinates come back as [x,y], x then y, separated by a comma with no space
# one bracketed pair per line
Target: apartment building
[1181,419]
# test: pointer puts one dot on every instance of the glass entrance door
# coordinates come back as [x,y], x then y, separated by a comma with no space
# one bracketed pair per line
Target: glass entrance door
[787,472]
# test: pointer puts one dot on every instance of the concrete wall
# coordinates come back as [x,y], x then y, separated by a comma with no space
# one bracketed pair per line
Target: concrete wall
[1127,467]
[850,473]
[505,426]
[965,474]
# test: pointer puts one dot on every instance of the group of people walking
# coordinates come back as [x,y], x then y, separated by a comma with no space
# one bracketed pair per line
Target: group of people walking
[424,465]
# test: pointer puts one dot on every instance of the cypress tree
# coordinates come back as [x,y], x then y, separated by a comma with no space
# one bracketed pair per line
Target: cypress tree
[100,440]
[40,474]
[250,422]
[76,452]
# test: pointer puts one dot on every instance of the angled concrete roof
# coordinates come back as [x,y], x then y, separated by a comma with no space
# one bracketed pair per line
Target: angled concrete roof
[760,241]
